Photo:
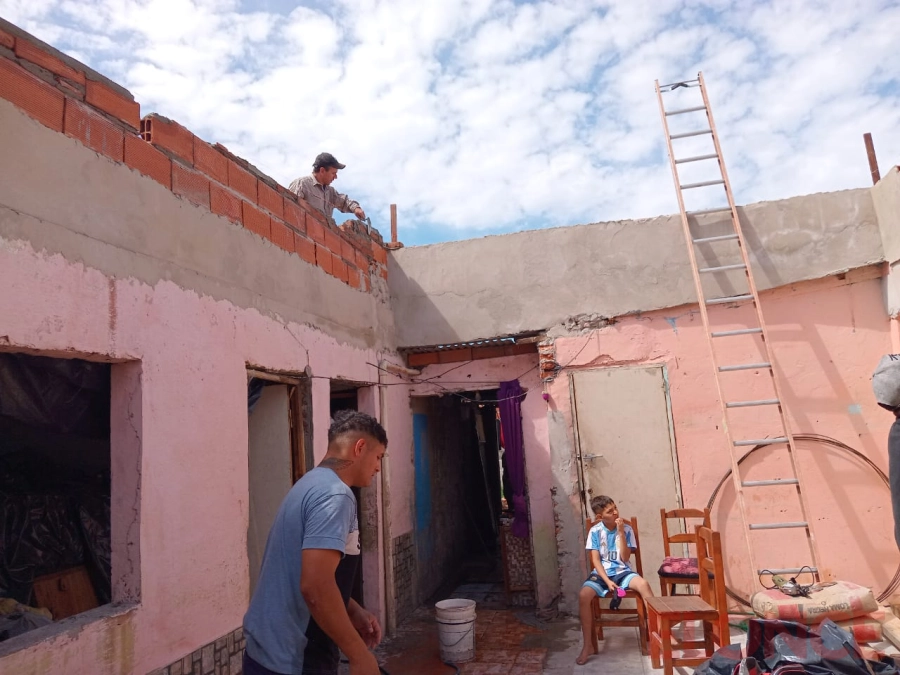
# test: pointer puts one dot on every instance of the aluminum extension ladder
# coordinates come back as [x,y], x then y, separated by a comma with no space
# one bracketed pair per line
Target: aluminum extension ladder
[706,127]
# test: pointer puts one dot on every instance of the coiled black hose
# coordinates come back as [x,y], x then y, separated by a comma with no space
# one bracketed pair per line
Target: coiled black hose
[825,440]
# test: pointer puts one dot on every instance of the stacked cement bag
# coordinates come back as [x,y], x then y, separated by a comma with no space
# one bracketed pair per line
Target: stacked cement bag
[850,606]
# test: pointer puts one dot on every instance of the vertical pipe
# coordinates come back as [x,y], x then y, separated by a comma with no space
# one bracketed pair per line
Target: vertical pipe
[393,223]
[873,162]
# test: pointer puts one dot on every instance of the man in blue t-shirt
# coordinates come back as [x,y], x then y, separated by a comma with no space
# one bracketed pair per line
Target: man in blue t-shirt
[301,615]
[611,543]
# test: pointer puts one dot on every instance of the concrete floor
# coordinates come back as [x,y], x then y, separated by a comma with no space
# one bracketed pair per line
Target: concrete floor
[513,642]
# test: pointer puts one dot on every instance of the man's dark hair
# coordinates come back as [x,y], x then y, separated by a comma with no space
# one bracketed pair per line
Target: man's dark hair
[347,421]
[601,502]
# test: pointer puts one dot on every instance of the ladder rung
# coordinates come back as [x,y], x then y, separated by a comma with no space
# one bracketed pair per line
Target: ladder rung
[766,483]
[686,110]
[703,212]
[721,237]
[789,570]
[688,134]
[696,158]
[723,268]
[730,298]
[705,183]
[742,331]
[683,83]
[744,366]
[750,404]
[778,526]
[763,441]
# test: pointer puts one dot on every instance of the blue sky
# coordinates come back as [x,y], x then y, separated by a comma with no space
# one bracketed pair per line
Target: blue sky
[479,116]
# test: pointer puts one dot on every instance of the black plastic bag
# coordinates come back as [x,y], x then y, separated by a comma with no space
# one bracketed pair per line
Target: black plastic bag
[828,650]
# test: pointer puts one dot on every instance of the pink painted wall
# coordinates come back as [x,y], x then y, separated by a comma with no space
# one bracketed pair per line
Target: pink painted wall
[487,374]
[193,353]
[827,337]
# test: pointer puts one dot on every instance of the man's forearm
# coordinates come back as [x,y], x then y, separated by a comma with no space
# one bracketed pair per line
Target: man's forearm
[328,609]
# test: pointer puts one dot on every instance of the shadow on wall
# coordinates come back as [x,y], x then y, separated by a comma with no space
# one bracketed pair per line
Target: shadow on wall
[427,312]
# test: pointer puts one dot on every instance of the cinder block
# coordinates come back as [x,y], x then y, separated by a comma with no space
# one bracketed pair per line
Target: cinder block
[340,270]
[224,202]
[270,200]
[282,236]
[324,258]
[333,241]
[143,157]
[6,40]
[294,215]
[111,102]
[191,184]
[169,136]
[305,248]
[362,261]
[379,253]
[242,181]
[255,220]
[210,161]
[315,230]
[94,130]
[348,252]
[36,98]
[27,51]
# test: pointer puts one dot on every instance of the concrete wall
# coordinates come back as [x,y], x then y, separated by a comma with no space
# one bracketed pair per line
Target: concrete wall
[886,197]
[827,336]
[101,262]
[500,285]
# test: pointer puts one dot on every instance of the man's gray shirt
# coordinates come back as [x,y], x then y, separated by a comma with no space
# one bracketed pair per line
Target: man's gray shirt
[319,512]
[323,198]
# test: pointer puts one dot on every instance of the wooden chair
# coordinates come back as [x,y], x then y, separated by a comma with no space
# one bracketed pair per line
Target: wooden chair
[710,607]
[624,616]
[674,569]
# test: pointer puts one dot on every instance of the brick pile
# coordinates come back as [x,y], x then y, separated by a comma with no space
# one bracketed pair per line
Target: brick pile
[66,96]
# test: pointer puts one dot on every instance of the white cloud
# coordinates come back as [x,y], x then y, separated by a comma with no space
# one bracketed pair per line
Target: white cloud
[488,115]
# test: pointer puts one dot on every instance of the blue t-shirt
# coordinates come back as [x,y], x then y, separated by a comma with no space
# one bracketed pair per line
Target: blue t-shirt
[319,512]
[607,542]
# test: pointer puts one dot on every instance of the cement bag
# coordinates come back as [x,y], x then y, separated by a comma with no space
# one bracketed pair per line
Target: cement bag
[838,601]
[864,628]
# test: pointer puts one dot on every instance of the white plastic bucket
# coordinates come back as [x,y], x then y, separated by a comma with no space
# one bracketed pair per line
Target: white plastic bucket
[456,629]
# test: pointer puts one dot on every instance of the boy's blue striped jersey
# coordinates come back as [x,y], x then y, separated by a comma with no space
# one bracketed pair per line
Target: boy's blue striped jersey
[606,541]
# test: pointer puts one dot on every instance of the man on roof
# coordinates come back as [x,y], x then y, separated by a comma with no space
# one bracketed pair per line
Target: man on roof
[316,189]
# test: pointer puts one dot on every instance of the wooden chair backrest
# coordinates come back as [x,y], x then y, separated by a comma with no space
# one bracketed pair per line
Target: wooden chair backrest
[712,568]
[690,537]
[636,556]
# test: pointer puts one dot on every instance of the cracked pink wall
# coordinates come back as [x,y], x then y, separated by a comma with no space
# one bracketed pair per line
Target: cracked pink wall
[827,335]
[193,354]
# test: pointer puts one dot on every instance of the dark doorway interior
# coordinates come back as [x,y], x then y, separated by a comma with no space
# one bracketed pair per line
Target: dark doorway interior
[345,396]
[459,496]
[54,488]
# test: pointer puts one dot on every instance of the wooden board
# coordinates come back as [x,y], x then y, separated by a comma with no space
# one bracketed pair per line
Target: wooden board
[65,593]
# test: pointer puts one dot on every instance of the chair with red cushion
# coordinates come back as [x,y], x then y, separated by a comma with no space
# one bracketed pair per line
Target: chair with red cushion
[674,569]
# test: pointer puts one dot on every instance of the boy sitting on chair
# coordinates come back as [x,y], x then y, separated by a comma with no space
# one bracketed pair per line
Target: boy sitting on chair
[611,543]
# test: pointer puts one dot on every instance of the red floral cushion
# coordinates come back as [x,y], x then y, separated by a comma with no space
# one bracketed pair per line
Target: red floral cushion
[684,568]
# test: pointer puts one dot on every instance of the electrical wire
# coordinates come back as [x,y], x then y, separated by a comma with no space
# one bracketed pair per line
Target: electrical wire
[825,440]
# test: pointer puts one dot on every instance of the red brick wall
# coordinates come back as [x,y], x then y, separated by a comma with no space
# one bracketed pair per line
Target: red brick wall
[67,97]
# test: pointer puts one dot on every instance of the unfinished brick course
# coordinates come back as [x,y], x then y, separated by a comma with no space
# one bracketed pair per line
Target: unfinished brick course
[69,98]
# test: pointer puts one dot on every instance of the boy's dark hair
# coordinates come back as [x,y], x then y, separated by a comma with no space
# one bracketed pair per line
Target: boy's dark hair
[600,502]
[346,421]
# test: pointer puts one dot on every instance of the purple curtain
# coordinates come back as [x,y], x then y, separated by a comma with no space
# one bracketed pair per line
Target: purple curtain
[511,395]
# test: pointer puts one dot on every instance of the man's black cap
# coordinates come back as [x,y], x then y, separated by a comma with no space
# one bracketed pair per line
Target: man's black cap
[327,160]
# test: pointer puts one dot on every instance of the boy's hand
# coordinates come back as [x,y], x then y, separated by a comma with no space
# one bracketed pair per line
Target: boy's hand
[620,524]
[611,585]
